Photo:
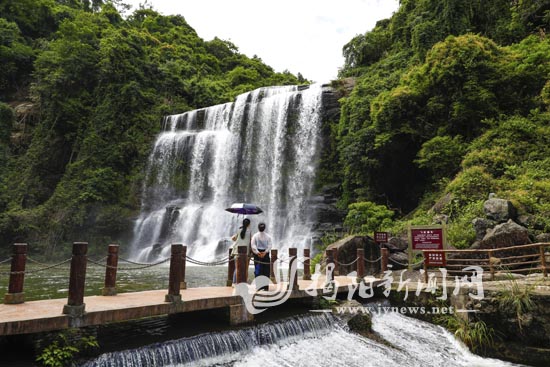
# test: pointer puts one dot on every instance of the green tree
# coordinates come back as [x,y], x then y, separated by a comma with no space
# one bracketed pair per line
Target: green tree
[367,217]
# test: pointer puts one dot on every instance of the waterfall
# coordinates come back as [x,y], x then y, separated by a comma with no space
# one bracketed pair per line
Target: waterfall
[260,149]
[313,340]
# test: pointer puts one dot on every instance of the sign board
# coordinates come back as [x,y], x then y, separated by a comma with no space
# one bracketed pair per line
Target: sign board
[427,239]
[381,237]
[432,258]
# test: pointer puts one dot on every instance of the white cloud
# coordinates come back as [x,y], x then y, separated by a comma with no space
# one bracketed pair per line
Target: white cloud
[303,36]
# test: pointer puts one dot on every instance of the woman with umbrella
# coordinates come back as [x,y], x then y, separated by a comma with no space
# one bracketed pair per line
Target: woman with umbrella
[242,238]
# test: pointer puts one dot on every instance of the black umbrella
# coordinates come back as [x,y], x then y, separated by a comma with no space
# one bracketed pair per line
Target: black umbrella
[242,208]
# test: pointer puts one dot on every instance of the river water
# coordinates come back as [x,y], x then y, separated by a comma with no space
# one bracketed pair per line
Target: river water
[308,340]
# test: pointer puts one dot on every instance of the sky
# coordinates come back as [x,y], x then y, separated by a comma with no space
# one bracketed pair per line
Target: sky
[302,36]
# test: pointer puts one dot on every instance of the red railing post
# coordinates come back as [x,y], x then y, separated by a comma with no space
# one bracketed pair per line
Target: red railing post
[336,263]
[273,265]
[543,261]
[110,271]
[360,264]
[491,264]
[384,260]
[75,304]
[242,264]
[307,264]
[330,260]
[175,274]
[183,283]
[17,275]
[425,265]
[293,262]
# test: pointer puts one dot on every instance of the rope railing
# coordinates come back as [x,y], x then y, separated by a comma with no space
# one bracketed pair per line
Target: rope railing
[133,262]
[32,271]
[402,264]
[344,264]
[373,261]
[144,266]
[5,260]
[211,263]
[43,264]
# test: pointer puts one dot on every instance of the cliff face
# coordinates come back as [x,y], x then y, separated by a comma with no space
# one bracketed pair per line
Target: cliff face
[329,217]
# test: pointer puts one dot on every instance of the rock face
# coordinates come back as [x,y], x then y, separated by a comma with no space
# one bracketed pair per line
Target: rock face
[499,210]
[505,235]
[398,243]
[399,260]
[524,341]
[441,203]
[395,244]
[481,225]
[347,253]
[543,237]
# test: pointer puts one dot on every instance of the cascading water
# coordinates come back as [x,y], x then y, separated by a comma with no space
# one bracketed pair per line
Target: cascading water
[308,341]
[261,149]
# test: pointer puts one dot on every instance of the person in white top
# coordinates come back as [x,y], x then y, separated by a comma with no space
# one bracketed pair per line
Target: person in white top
[261,246]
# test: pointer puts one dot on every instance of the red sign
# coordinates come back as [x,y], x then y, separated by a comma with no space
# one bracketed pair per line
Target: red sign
[427,239]
[434,258]
[381,237]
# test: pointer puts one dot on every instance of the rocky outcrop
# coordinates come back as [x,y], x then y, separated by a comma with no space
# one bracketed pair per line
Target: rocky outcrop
[442,203]
[526,339]
[347,253]
[505,235]
[399,260]
[499,210]
[396,244]
[543,237]
[481,225]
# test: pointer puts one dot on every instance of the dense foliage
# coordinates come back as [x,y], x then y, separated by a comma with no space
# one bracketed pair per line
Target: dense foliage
[82,92]
[451,97]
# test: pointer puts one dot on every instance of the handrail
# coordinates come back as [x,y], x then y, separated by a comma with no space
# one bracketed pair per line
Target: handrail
[538,244]
[536,261]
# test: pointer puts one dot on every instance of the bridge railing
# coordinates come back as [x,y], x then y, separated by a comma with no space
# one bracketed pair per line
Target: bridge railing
[514,259]
[79,262]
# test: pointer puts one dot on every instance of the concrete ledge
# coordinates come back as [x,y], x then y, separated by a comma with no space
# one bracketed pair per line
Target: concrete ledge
[238,315]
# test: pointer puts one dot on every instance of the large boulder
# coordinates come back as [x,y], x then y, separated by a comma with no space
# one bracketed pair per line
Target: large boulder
[543,237]
[399,244]
[442,203]
[505,235]
[481,225]
[347,253]
[399,260]
[499,210]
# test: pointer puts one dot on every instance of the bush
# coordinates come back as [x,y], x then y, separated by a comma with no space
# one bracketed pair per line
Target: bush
[460,231]
[366,217]
[441,155]
[471,185]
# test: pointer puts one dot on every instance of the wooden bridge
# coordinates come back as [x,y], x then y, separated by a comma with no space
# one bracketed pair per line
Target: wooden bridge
[20,317]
